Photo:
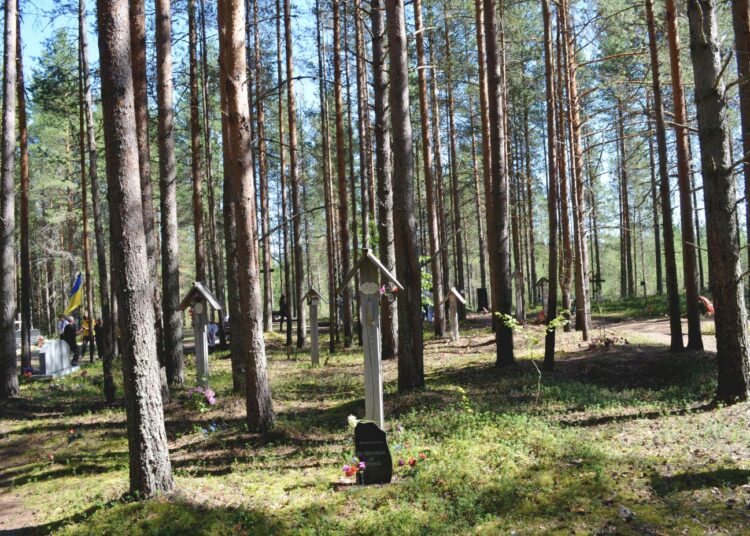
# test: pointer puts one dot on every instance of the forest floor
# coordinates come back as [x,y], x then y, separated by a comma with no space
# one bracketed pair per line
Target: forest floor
[620,439]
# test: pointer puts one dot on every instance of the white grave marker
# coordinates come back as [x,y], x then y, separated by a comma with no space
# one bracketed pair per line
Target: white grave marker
[199,298]
[454,298]
[313,298]
[370,269]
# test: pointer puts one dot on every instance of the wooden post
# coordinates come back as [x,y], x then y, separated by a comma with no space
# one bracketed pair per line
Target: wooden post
[370,268]
[313,298]
[200,329]
[454,298]
[200,298]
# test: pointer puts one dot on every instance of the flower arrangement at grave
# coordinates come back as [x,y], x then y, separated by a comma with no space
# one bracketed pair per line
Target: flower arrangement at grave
[200,399]
[27,372]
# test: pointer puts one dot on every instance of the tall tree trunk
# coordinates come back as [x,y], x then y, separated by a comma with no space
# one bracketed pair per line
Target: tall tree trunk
[106,351]
[173,357]
[352,178]
[196,151]
[720,198]
[627,249]
[8,374]
[741,24]
[439,196]
[341,173]
[383,171]
[150,468]
[654,204]
[436,265]
[265,224]
[670,265]
[294,176]
[363,125]
[410,344]
[140,89]
[84,179]
[25,260]
[566,260]
[583,304]
[482,246]
[486,152]
[689,256]
[327,185]
[230,244]
[455,189]
[530,200]
[551,312]
[260,415]
[501,247]
[216,258]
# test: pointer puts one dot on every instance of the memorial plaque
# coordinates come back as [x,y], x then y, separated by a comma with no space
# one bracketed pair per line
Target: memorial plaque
[371,447]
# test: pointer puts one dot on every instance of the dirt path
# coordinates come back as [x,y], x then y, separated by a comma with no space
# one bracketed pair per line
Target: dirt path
[656,330]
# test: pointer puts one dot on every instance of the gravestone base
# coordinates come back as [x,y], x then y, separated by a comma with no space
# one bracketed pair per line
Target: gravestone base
[57,373]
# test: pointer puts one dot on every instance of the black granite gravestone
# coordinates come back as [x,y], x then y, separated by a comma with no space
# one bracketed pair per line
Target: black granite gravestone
[371,447]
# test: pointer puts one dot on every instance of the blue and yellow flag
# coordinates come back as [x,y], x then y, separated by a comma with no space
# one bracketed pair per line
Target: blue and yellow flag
[76,296]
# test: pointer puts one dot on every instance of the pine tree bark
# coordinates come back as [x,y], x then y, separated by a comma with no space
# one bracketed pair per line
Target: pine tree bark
[670,264]
[436,265]
[341,173]
[626,244]
[501,248]
[383,173]
[150,468]
[25,259]
[196,151]
[299,271]
[654,205]
[689,255]
[173,357]
[720,198]
[260,415]
[741,25]
[217,262]
[263,177]
[455,188]
[583,304]
[8,374]
[327,185]
[140,88]
[482,245]
[84,179]
[410,344]
[551,312]
[106,351]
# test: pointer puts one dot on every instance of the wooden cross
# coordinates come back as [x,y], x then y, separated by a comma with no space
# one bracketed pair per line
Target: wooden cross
[313,298]
[454,298]
[199,298]
[370,269]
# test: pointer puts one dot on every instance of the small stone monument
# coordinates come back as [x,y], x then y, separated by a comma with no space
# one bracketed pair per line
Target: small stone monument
[454,298]
[313,298]
[370,270]
[371,447]
[54,360]
[200,298]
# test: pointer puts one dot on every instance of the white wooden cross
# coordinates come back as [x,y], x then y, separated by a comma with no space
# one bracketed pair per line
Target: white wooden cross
[313,298]
[454,298]
[199,297]
[370,269]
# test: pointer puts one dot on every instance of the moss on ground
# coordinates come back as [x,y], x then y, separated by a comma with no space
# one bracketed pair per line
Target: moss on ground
[617,440]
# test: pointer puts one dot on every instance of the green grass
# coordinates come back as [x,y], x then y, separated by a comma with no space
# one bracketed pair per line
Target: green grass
[610,432]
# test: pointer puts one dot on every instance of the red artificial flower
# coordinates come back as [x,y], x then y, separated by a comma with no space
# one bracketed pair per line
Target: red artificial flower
[412,462]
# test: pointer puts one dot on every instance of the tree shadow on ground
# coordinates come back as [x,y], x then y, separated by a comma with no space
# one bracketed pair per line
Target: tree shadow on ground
[725,477]
[169,515]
